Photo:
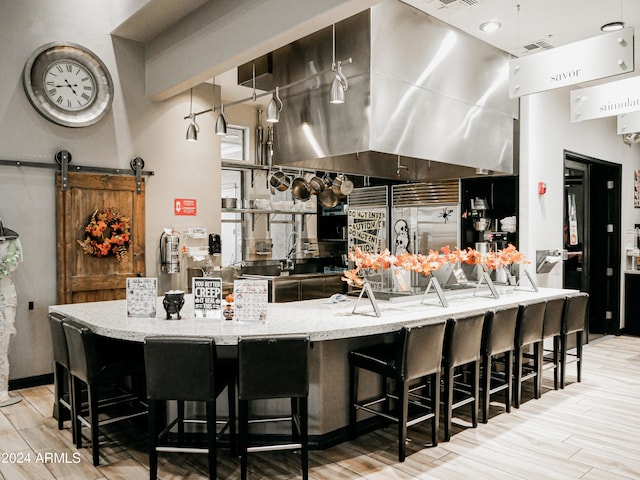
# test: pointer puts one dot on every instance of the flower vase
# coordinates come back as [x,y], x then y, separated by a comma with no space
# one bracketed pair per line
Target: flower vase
[502,275]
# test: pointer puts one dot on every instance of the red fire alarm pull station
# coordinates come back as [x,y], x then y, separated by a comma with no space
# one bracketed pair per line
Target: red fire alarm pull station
[542,188]
[184,206]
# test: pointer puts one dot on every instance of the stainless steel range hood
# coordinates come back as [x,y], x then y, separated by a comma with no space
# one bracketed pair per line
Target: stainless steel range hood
[425,101]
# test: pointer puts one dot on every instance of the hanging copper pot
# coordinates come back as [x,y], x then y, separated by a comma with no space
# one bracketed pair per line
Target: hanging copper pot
[316,184]
[300,189]
[327,198]
[280,181]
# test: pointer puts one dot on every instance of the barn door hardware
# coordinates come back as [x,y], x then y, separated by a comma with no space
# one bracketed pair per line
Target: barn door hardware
[63,160]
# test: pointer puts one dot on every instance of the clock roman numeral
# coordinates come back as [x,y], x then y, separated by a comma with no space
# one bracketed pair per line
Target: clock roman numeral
[85,79]
[85,96]
[59,100]
[69,68]
[69,103]
[88,87]
[52,92]
[59,68]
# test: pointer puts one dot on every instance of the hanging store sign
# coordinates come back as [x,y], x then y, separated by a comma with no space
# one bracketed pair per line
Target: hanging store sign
[598,57]
[629,123]
[606,100]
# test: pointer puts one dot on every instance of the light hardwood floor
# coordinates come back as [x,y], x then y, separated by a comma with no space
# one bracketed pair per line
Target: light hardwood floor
[589,430]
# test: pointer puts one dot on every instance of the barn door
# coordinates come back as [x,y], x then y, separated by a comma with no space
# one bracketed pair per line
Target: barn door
[83,277]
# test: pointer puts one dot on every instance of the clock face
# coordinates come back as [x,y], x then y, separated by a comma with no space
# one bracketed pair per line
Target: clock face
[69,85]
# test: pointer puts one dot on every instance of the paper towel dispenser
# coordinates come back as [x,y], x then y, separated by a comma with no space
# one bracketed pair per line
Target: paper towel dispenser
[547,259]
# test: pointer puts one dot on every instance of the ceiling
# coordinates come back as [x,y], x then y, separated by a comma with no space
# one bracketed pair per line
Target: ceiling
[537,25]
[555,22]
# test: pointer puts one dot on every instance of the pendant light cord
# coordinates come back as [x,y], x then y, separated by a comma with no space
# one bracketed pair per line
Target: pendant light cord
[333,58]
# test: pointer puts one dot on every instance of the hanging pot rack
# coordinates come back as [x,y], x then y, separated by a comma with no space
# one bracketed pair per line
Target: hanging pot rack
[63,159]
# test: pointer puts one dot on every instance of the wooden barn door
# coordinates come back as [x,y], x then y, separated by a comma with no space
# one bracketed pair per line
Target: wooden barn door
[82,277]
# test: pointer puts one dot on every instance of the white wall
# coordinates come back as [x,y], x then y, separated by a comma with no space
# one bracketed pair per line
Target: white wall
[135,127]
[546,131]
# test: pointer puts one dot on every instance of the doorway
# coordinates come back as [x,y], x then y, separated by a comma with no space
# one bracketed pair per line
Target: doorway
[592,220]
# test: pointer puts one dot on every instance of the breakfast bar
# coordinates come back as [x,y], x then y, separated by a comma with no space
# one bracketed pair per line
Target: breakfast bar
[333,329]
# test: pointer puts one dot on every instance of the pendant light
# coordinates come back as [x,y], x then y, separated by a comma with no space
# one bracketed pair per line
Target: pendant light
[339,85]
[221,122]
[193,128]
[274,107]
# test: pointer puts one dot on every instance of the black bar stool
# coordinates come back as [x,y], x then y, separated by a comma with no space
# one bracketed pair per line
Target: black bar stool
[462,344]
[575,321]
[528,334]
[552,329]
[498,339]
[416,354]
[269,368]
[98,364]
[61,375]
[186,369]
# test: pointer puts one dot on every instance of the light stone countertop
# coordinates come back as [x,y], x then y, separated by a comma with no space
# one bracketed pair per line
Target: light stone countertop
[316,318]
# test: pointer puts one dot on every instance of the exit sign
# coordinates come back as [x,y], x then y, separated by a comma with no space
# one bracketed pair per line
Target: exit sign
[184,206]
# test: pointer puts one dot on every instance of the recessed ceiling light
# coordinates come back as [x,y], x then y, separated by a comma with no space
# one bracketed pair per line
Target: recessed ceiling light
[490,26]
[612,26]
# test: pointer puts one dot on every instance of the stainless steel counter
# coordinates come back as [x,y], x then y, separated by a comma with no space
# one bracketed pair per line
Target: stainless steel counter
[306,286]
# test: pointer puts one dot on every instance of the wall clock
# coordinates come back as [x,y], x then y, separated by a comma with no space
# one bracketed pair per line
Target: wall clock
[68,84]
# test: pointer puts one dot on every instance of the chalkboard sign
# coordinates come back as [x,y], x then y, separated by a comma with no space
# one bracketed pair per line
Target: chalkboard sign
[207,297]
[142,295]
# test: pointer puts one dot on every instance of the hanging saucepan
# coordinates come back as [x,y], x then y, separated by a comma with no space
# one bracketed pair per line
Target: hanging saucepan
[336,187]
[347,186]
[300,189]
[327,198]
[327,181]
[315,183]
[279,181]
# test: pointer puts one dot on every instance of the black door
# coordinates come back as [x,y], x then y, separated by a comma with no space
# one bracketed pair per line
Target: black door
[592,238]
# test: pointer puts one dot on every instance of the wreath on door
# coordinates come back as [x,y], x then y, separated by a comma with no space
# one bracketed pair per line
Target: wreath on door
[108,233]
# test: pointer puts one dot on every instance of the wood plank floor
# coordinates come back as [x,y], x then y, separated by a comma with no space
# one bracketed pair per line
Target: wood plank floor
[589,430]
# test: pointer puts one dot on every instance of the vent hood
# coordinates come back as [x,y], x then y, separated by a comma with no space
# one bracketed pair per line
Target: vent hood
[425,101]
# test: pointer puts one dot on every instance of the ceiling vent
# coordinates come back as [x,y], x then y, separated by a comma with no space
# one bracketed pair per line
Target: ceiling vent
[462,3]
[534,47]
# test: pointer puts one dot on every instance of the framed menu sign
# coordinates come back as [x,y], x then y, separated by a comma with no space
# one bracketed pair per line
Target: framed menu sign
[250,298]
[142,297]
[207,297]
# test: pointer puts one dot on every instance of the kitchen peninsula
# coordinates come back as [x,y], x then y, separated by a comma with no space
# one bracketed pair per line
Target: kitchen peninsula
[332,327]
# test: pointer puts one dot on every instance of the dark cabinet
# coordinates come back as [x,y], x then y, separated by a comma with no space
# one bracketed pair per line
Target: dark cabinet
[486,201]
[631,304]
[332,232]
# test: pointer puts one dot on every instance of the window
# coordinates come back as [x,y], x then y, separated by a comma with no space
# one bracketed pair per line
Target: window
[235,144]
[232,234]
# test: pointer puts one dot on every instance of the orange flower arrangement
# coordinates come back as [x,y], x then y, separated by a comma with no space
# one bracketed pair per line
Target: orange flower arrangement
[108,233]
[427,264]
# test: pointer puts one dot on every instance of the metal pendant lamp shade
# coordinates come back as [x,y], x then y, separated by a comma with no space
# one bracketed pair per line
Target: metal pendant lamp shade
[274,107]
[192,130]
[221,122]
[338,86]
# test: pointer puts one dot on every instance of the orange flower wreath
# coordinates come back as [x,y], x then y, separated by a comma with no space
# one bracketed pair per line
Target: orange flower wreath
[108,233]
